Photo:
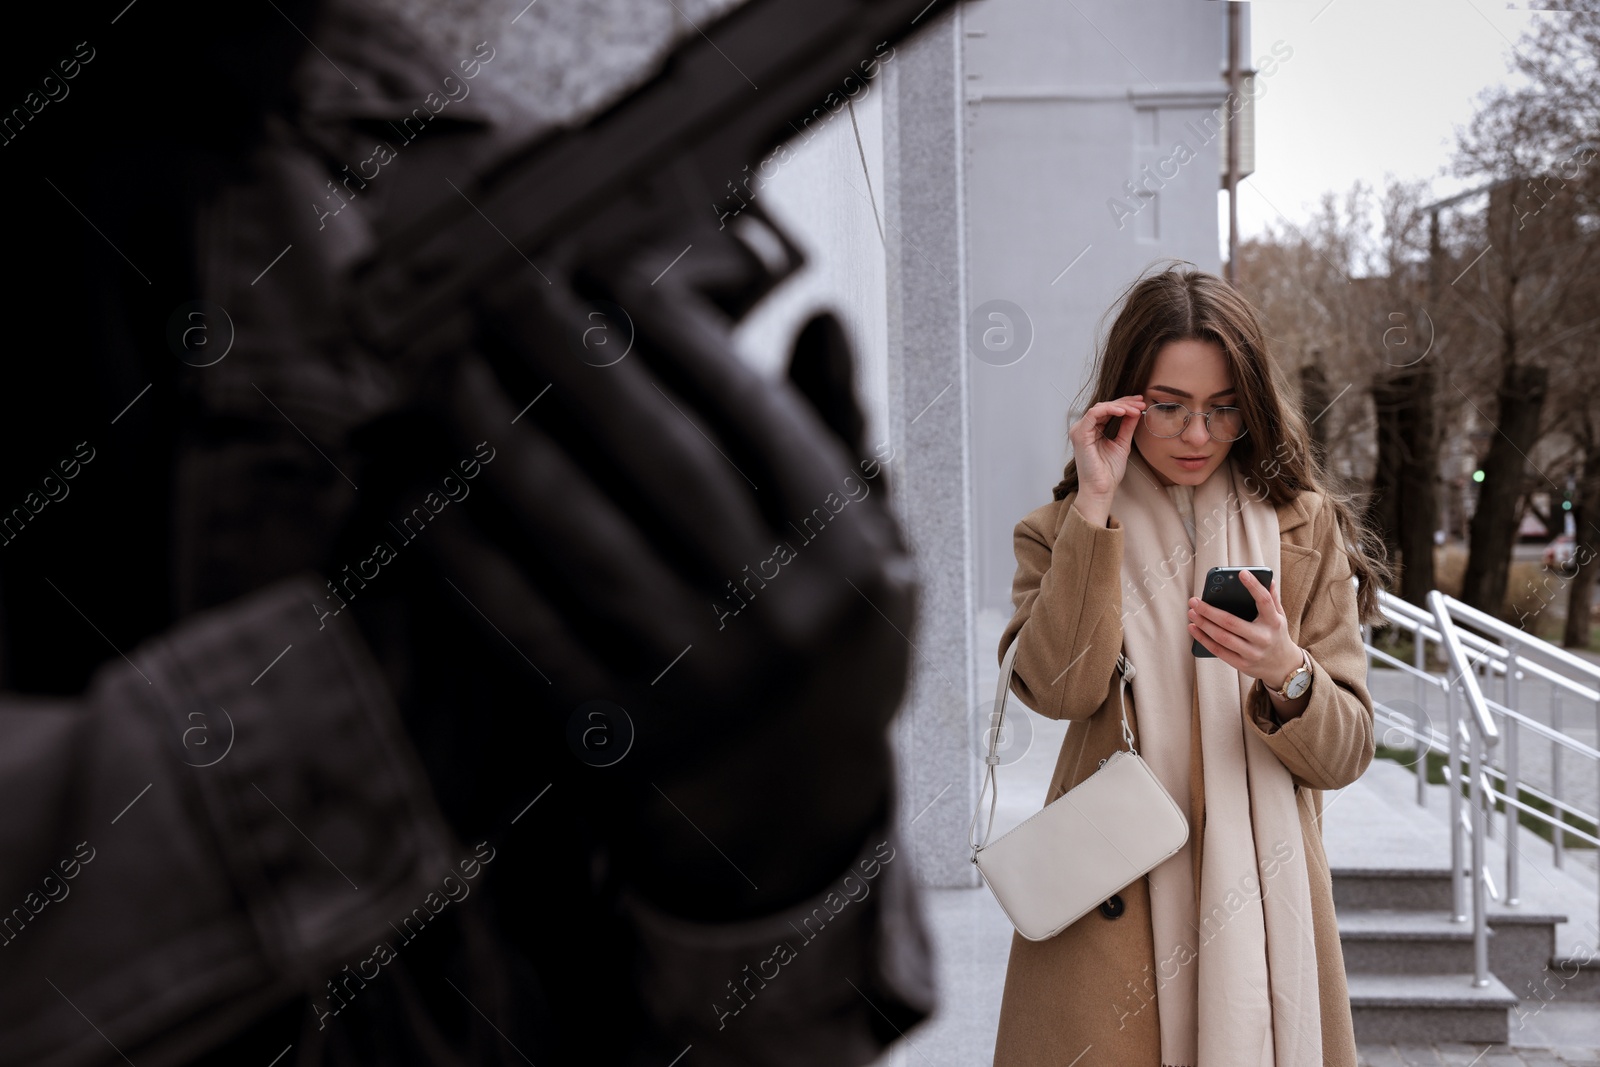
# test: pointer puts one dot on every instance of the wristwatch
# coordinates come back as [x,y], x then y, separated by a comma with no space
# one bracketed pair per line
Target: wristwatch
[1299,679]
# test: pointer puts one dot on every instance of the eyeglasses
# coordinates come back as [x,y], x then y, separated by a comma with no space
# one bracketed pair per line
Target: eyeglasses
[1169,420]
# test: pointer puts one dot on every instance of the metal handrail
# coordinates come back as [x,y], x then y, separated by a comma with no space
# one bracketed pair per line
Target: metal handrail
[1458,659]
[1405,614]
[1548,733]
[1509,654]
[1482,621]
[1501,795]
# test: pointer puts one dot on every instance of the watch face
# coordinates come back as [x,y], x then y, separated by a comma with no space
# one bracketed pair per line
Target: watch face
[1299,684]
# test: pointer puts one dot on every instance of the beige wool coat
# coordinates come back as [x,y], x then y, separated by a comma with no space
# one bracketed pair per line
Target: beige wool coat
[1086,997]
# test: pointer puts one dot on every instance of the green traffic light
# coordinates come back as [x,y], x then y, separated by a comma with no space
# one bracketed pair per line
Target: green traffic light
[1477,476]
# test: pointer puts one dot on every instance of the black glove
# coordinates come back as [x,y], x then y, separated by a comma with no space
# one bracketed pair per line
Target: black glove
[675,536]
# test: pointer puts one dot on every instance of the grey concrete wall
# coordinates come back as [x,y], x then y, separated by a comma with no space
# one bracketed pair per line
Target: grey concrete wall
[879,221]
[929,419]
[1064,104]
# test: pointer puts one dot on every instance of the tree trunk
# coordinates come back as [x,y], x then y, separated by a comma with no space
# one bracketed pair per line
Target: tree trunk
[1493,529]
[1389,402]
[1580,591]
[1418,503]
[1313,403]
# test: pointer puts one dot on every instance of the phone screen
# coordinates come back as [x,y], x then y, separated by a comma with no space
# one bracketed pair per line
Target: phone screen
[1225,590]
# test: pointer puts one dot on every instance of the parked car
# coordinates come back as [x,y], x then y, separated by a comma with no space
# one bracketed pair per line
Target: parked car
[1559,553]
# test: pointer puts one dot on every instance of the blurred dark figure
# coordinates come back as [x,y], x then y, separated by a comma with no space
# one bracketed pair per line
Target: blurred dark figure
[527,706]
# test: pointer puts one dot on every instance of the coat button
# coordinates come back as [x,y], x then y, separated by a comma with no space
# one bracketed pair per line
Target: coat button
[1112,908]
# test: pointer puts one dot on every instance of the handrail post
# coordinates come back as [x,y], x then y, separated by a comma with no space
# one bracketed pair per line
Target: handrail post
[1458,888]
[1480,901]
[1513,823]
[1419,657]
[1481,733]
[1558,840]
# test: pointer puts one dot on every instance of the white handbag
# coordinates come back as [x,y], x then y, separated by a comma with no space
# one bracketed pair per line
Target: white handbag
[1093,840]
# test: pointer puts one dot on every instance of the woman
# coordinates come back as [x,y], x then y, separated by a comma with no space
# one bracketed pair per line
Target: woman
[1191,456]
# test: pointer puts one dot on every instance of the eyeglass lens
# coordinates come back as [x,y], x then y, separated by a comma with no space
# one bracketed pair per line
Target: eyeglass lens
[1169,420]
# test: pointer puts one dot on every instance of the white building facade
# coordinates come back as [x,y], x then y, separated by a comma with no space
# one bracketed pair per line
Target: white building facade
[972,216]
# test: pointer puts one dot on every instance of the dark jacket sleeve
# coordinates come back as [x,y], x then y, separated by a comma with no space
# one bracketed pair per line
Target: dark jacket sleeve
[1068,597]
[232,811]
[225,813]
[1330,743]
[849,971]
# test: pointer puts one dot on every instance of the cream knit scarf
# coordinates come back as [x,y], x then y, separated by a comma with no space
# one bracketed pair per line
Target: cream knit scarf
[1236,967]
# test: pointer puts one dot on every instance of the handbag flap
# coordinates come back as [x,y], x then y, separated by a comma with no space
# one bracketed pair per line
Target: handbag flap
[1112,828]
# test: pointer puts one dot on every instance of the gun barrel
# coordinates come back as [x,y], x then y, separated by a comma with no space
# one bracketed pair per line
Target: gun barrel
[721,99]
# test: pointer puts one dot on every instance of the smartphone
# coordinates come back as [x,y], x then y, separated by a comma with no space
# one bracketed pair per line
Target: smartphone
[1225,590]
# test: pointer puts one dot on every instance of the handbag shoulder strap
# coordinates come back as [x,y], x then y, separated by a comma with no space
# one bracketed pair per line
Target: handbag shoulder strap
[991,757]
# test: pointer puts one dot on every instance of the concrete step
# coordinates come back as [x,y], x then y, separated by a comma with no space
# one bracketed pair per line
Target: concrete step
[1574,976]
[1423,889]
[1390,941]
[1387,852]
[1397,941]
[1383,853]
[1421,1008]
[1408,964]
[1522,946]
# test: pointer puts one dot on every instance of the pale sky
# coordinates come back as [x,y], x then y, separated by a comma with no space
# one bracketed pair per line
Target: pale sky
[1373,86]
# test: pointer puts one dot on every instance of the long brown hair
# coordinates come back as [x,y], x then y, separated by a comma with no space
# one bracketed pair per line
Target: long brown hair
[1191,305]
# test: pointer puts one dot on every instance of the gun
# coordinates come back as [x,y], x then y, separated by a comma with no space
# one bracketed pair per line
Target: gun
[722,99]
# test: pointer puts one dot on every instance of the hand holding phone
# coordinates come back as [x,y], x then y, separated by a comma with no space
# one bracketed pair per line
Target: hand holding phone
[1225,590]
